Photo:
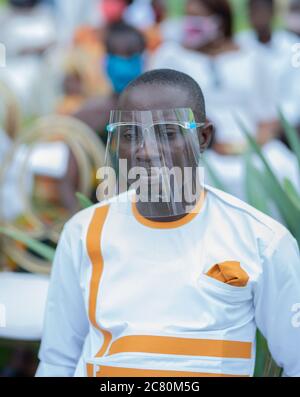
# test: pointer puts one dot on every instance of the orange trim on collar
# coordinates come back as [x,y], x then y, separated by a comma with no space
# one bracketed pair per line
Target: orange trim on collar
[173,224]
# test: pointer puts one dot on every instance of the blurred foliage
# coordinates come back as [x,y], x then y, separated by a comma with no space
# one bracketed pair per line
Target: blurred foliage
[35,246]
[283,196]
[84,201]
[263,186]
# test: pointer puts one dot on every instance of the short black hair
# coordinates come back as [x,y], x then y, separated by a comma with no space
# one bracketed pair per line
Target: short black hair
[170,77]
[121,29]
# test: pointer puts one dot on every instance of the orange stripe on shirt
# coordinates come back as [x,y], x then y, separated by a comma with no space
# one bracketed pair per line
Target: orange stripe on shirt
[94,235]
[181,346]
[115,372]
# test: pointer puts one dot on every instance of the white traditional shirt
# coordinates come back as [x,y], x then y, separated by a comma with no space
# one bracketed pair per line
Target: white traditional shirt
[132,297]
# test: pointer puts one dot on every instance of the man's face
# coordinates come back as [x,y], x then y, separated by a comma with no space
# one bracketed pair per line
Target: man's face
[166,145]
[156,97]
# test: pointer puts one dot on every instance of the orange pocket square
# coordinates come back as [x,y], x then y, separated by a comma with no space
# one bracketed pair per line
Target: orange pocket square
[229,273]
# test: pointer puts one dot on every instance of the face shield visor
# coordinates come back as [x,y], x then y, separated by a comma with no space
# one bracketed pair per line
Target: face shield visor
[154,158]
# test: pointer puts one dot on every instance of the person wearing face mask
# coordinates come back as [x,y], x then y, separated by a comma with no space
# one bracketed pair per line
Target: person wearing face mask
[211,56]
[27,32]
[124,62]
[236,84]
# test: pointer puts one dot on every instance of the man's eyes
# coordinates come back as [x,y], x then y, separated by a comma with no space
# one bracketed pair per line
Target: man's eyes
[131,133]
[169,131]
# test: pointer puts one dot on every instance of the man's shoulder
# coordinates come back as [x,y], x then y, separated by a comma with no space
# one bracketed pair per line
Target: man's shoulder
[82,219]
[241,213]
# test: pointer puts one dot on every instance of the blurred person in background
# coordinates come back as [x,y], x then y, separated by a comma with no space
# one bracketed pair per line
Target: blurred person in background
[276,47]
[292,17]
[262,16]
[27,27]
[27,31]
[75,84]
[237,85]
[124,61]
[164,28]
[210,55]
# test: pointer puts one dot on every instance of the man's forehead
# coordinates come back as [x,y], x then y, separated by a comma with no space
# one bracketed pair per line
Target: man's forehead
[155,97]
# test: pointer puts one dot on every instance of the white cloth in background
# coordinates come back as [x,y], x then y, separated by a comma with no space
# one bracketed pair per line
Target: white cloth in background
[5,144]
[140,14]
[234,84]
[23,76]
[24,30]
[70,14]
[10,203]
[46,159]
[23,297]
[278,56]
[172,30]
[50,159]
[282,40]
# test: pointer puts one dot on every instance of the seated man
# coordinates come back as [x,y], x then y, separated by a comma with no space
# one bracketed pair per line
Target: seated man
[151,283]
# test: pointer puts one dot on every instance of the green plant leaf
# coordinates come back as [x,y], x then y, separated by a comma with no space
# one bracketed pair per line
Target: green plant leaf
[265,366]
[84,201]
[292,135]
[292,193]
[262,352]
[36,246]
[274,189]
[256,195]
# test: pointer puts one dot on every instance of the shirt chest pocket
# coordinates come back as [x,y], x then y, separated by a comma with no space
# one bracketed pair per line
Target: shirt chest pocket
[226,305]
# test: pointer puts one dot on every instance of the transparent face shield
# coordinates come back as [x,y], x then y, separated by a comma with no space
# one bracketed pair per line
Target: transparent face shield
[153,159]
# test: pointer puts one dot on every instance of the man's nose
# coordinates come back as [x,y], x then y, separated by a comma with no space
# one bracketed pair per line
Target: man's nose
[147,150]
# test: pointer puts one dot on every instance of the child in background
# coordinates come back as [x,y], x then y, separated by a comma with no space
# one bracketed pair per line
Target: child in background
[124,61]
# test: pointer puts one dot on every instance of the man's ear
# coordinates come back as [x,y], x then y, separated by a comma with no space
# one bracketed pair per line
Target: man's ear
[206,135]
